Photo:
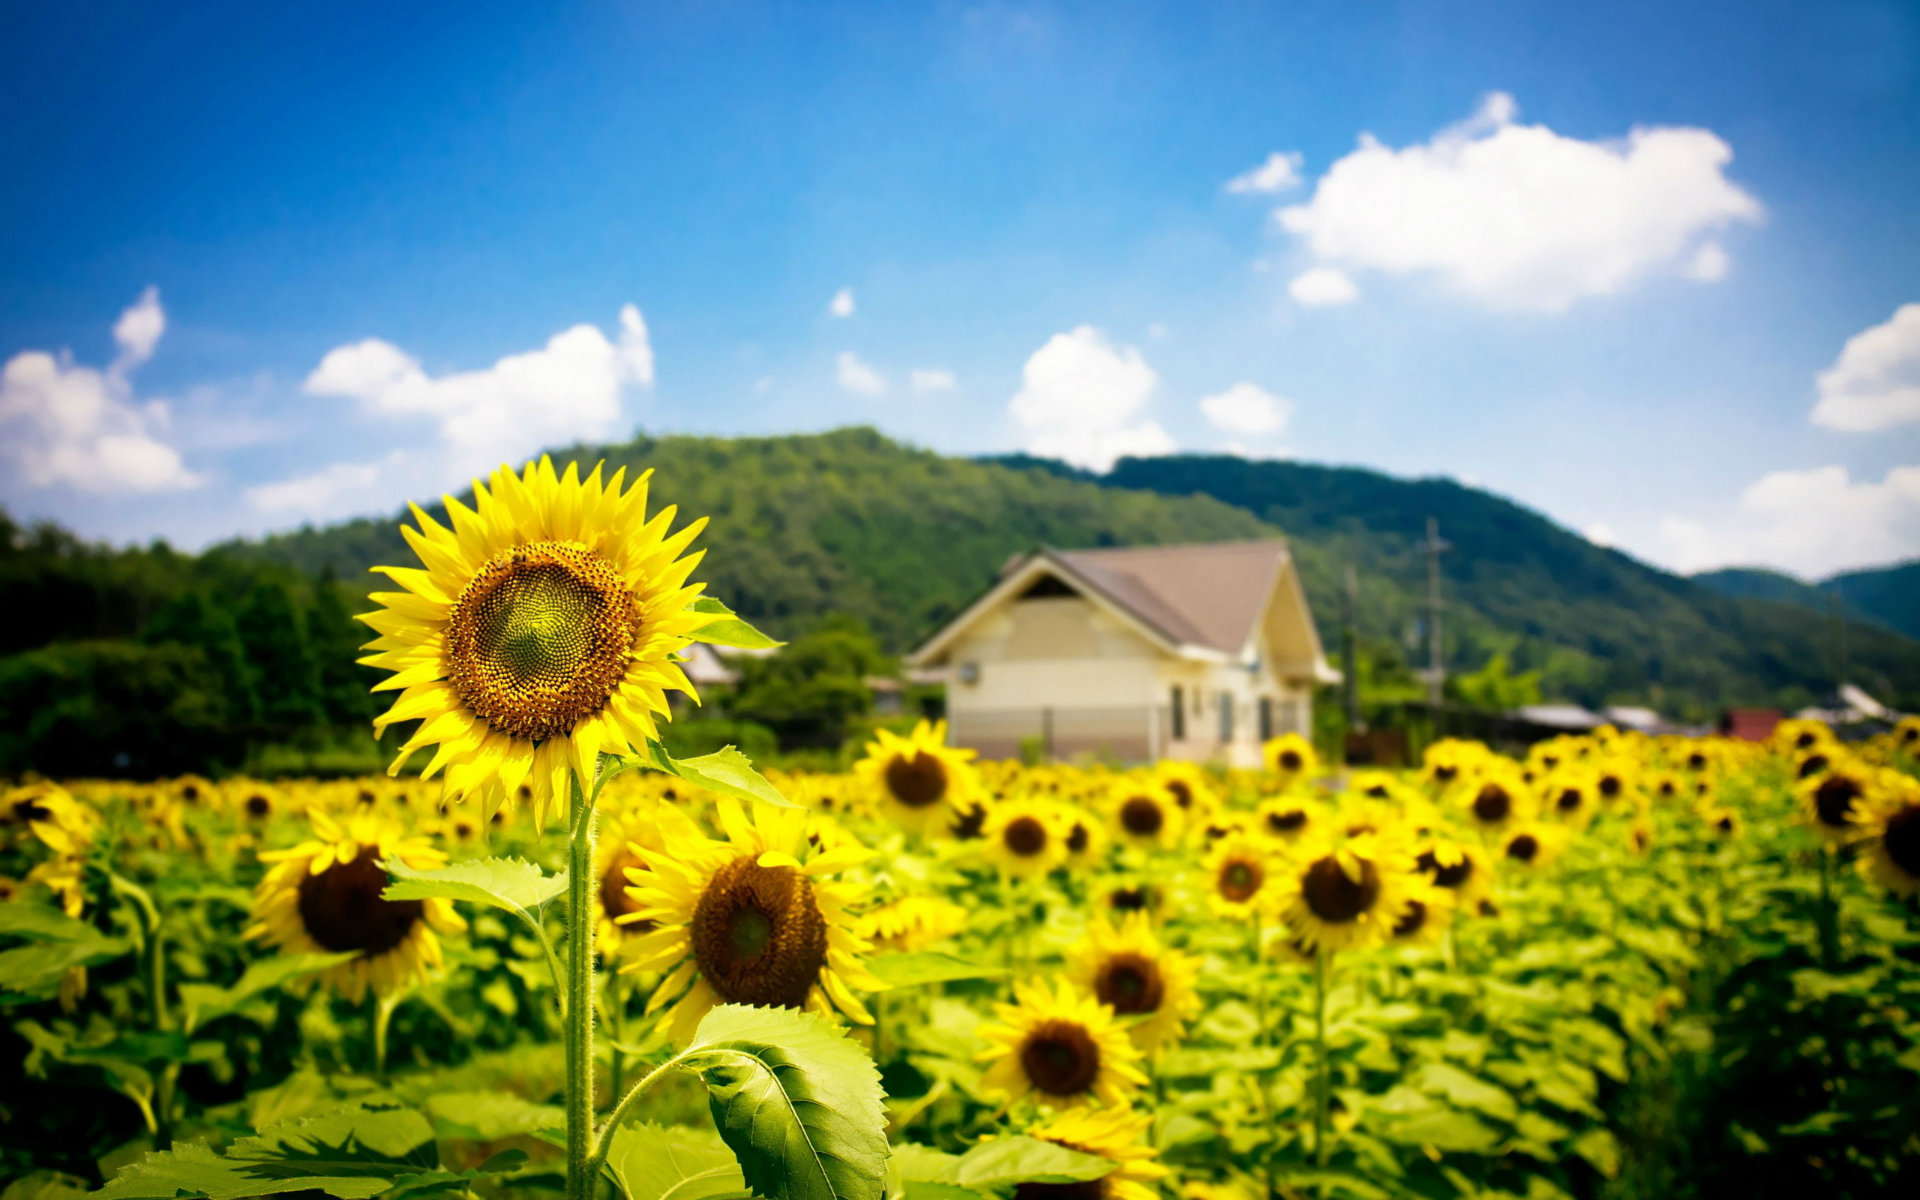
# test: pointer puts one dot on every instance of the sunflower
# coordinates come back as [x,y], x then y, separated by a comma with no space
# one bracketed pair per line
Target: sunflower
[919,780]
[1832,799]
[1891,850]
[1425,919]
[635,822]
[1025,838]
[747,920]
[1570,796]
[1532,846]
[912,923]
[1496,798]
[1615,779]
[1145,816]
[50,813]
[1187,785]
[256,802]
[1115,1134]
[1129,970]
[1724,822]
[324,896]
[1460,869]
[1339,897]
[1059,1044]
[1084,837]
[1449,760]
[1796,737]
[543,630]
[1905,736]
[1291,757]
[1288,818]
[1241,871]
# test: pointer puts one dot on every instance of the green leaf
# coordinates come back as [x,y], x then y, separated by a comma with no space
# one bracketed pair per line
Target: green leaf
[927,966]
[648,1162]
[799,1104]
[352,1153]
[36,969]
[24,918]
[203,1002]
[1004,1162]
[45,1185]
[1444,1130]
[1465,1091]
[729,629]
[1598,1147]
[513,885]
[490,1116]
[726,771]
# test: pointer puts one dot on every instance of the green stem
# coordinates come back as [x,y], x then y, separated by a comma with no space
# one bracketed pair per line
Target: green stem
[1259,985]
[604,1142]
[383,1007]
[581,1176]
[1828,926]
[1320,1048]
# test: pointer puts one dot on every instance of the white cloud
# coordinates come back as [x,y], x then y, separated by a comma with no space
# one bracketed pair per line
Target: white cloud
[859,377]
[1247,409]
[1520,217]
[335,491]
[571,388]
[1321,287]
[763,385]
[1709,264]
[1813,522]
[138,330]
[1079,398]
[1279,173]
[842,303]
[1875,383]
[1601,534]
[82,428]
[933,379]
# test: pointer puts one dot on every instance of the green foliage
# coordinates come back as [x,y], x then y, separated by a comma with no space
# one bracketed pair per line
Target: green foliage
[726,771]
[695,737]
[928,966]
[651,1162]
[811,690]
[513,885]
[1494,687]
[111,707]
[798,1103]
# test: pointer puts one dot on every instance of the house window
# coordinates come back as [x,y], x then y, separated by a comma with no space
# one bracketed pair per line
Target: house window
[1266,718]
[1179,711]
[1226,716]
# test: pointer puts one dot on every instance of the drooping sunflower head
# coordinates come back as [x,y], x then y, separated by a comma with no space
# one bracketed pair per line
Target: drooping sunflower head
[1891,849]
[1142,980]
[324,896]
[1288,817]
[541,629]
[1061,1046]
[1115,1134]
[760,918]
[1339,896]
[1240,873]
[1291,757]
[1025,838]
[1835,799]
[1144,816]
[919,780]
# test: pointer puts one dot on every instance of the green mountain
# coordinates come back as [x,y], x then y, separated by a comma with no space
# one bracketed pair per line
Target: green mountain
[901,538]
[1886,596]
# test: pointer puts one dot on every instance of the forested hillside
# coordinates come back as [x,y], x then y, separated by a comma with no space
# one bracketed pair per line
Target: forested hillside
[850,522]
[1886,596]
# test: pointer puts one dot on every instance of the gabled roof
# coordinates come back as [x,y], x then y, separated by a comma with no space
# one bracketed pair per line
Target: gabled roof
[1203,600]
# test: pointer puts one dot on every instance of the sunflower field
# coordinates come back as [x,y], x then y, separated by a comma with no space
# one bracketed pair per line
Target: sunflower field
[544,957]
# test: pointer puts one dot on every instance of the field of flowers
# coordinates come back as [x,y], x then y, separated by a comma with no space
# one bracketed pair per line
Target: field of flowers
[561,962]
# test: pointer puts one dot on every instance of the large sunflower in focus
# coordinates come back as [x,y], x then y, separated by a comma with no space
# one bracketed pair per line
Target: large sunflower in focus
[324,897]
[757,919]
[919,780]
[1346,895]
[541,631]
[1130,971]
[1060,1045]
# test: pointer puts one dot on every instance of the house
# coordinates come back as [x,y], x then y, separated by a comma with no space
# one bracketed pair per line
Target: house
[1196,652]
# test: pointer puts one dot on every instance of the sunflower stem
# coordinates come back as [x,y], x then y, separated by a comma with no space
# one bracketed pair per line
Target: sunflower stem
[581,1176]
[603,1143]
[383,1007]
[1828,927]
[1320,1049]
[1259,984]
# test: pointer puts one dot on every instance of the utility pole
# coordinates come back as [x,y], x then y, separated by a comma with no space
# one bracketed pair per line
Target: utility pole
[1433,548]
[1349,654]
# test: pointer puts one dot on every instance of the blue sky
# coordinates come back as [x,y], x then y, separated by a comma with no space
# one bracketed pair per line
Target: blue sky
[384,251]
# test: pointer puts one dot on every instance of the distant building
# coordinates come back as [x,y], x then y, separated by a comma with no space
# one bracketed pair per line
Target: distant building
[1196,652]
[1749,724]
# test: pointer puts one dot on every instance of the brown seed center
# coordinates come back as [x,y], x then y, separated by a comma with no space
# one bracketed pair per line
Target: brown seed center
[1141,817]
[758,935]
[1024,837]
[1240,879]
[1060,1058]
[1833,800]
[1334,896]
[917,782]
[1130,984]
[1492,805]
[341,907]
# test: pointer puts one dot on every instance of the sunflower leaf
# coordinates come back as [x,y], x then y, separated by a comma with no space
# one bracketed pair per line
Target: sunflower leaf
[1004,1162]
[351,1153]
[728,629]
[649,1162]
[511,884]
[928,966]
[37,969]
[726,771]
[42,922]
[203,1002]
[799,1104]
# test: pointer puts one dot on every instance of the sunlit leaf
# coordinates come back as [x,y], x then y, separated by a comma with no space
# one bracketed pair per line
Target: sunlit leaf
[511,884]
[928,966]
[728,629]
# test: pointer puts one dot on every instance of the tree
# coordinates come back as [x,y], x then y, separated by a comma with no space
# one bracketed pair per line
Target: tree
[285,675]
[810,690]
[1494,687]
